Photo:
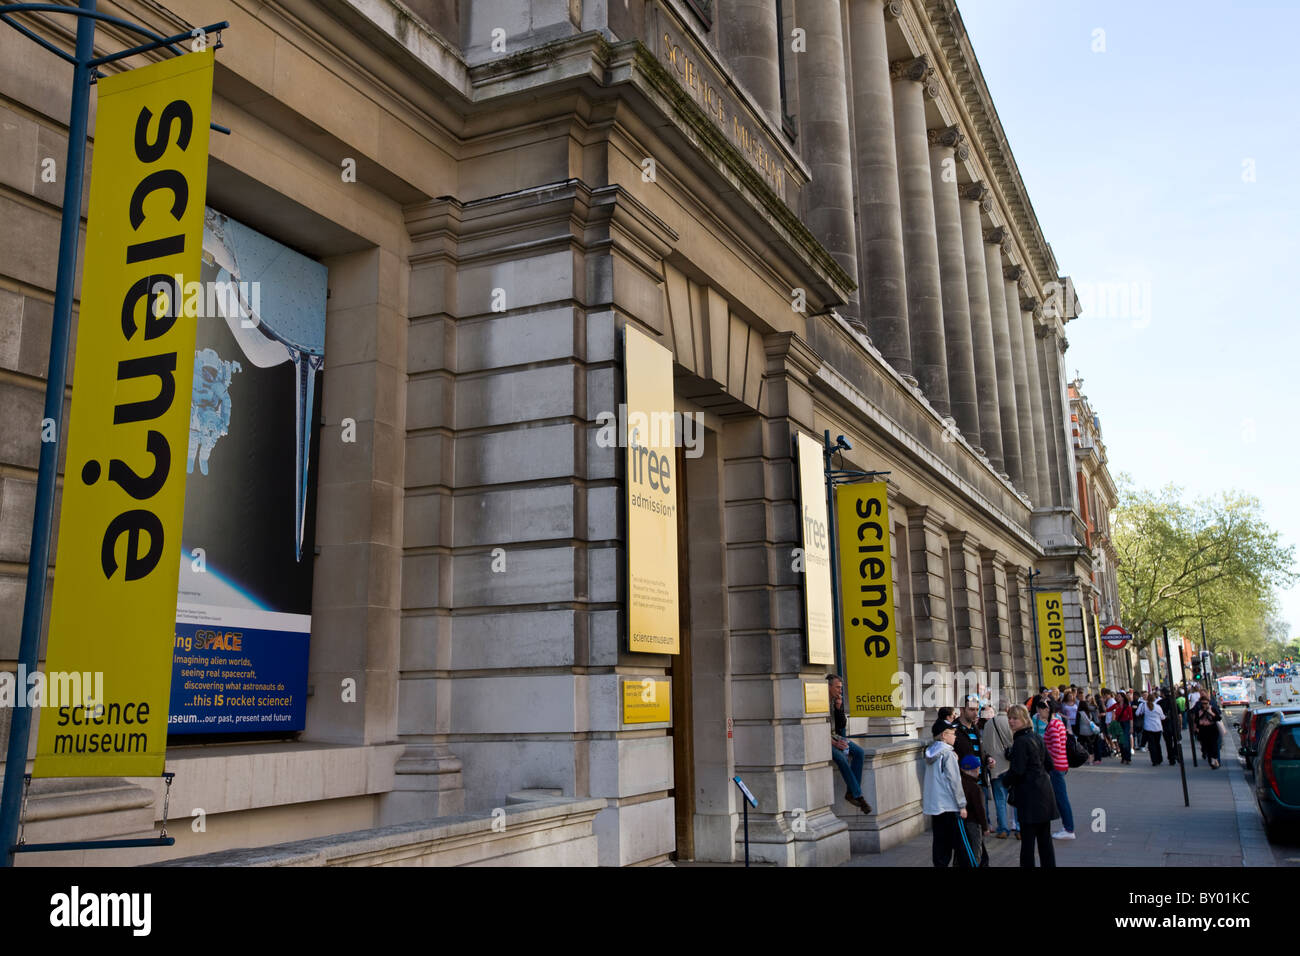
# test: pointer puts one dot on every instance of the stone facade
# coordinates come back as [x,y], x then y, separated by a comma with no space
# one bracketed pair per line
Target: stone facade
[833,239]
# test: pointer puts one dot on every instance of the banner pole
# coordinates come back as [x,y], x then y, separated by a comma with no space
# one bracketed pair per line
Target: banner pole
[1033,619]
[56,384]
[828,452]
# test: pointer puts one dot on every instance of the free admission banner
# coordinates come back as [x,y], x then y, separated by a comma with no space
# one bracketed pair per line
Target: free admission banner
[867,594]
[1051,638]
[820,642]
[124,492]
[243,608]
[651,496]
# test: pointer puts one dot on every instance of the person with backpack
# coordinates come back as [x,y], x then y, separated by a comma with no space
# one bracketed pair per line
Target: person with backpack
[997,739]
[1087,731]
[1169,725]
[1030,790]
[1054,738]
[977,821]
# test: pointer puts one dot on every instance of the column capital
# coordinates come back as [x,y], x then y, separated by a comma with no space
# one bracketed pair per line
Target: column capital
[894,9]
[950,136]
[918,70]
[1013,272]
[978,192]
[995,235]
[1031,305]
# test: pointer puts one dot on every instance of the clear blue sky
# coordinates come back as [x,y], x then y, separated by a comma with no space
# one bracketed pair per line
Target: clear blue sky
[1137,159]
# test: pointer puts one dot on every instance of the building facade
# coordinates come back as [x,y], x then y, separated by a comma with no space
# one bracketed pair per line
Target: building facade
[811,204]
[1098,497]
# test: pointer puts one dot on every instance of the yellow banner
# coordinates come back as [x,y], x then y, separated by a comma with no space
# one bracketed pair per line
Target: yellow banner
[647,701]
[114,606]
[1054,662]
[867,600]
[651,496]
[820,645]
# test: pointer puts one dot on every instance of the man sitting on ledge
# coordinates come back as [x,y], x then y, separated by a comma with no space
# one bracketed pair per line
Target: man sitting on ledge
[847,755]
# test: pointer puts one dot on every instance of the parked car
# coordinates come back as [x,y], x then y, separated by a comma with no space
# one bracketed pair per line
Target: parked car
[1249,728]
[1277,779]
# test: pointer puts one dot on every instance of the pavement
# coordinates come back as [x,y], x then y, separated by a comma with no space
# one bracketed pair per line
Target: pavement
[1135,816]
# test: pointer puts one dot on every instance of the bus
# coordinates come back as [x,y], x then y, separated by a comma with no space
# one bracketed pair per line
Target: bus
[1234,691]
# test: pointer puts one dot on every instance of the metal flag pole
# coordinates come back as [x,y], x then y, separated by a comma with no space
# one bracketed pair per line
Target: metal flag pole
[84,64]
[1177,719]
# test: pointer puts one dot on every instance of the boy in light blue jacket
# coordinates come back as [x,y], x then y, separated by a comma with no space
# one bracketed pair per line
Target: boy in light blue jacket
[942,798]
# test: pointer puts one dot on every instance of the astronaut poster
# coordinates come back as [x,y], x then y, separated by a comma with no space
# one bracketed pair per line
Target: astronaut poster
[243,616]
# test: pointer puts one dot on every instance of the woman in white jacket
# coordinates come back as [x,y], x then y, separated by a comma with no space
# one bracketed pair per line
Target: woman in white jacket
[1152,718]
[942,799]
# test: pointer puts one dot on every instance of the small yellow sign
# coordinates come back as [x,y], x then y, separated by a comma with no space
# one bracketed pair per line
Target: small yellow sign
[1051,638]
[647,701]
[867,610]
[817,599]
[651,496]
[119,555]
[816,697]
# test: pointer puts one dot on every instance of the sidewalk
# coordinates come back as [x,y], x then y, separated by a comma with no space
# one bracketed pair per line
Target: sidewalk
[1134,816]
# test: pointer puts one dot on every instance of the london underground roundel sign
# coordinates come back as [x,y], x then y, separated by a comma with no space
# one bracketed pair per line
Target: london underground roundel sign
[1115,637]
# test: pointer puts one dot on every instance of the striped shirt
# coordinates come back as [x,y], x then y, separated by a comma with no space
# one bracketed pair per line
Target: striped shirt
[1054,737]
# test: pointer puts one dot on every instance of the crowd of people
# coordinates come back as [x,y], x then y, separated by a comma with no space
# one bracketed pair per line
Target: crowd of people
[1019,758]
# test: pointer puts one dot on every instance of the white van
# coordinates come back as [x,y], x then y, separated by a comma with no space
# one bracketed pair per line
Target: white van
[1280,691]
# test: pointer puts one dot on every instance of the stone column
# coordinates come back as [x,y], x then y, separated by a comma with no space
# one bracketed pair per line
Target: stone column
[1024,414]
[993,239]
[748,41]
[974,201]
[1038,422]
[1053,414]
[824,124]
[927,537]
[966,600]
[1026,661]
[997,618]
[946,150]
[913,81]
[883,296]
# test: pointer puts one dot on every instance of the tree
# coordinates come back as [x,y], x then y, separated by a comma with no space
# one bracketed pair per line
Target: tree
[1215,560]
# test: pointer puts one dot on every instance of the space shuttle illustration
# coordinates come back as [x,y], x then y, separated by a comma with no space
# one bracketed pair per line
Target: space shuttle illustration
[282,323]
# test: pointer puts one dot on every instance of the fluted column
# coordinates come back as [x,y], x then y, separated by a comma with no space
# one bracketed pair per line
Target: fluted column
[993,239]
[946,149]
[913,81]
[1024,415]
[824,122]
[1053,418]
[1053,353]
[1037,420]
[883,295]
[975,201]
[748,37]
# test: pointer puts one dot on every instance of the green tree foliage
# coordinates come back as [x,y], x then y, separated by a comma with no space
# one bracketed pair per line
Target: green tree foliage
[1214,560]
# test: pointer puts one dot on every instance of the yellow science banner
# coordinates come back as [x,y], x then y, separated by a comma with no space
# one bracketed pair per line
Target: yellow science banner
[817,599]
[1051,638]
[114,607]
[867,608]
[651,496]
